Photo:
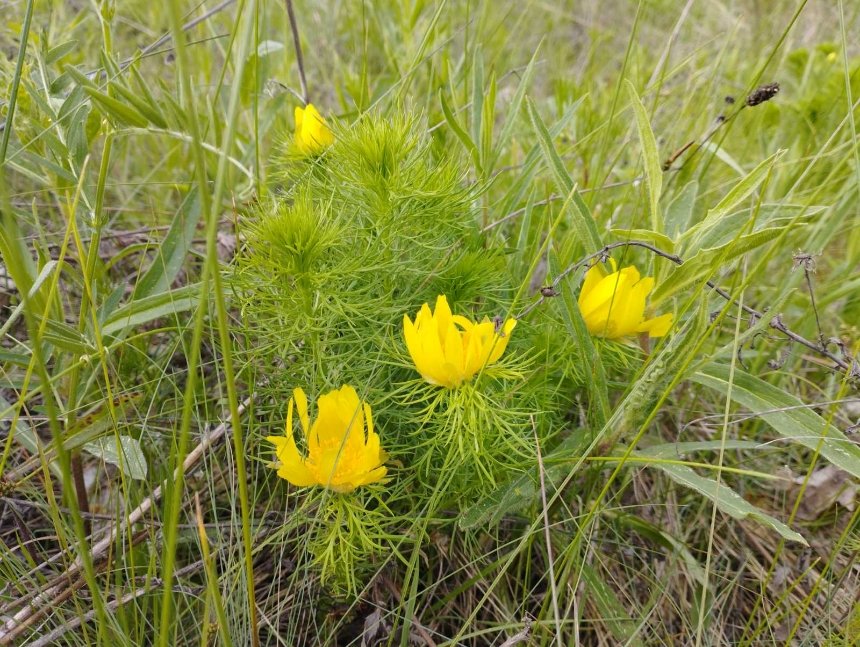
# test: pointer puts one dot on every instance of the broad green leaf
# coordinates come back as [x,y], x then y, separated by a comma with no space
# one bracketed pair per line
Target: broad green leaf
[98,421]
[583,222]
[740,192]
[708,261]
[149,110]
[267,47]
[679,213]
[653,169]
[680,450]
[19,358]
[56,53]
[141,311]
[76,135]
[768,215]
[171,254]
[140,85]
[43,276]
[610,610]
[725,498]
[785,414]
[122,113]
[66,338]
[123,451]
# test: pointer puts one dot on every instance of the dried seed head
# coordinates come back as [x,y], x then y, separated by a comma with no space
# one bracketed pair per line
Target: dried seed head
[763,93]
[803,260]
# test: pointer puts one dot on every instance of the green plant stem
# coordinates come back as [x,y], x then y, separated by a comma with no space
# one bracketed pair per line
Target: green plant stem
[16,82]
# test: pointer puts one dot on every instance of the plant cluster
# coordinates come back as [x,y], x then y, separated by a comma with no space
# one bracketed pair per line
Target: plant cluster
[425,413]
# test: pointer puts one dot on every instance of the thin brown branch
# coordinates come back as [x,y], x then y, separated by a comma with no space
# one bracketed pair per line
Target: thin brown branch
[191,24]
[548,538]
[603,253]
[55,593]
[300,61]
[844,362]
[521,636]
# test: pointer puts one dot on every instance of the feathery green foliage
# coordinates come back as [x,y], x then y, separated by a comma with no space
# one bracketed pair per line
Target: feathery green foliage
[172,266]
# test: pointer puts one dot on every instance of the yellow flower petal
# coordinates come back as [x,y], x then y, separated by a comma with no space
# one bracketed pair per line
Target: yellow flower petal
[302,405]
[448,349]
[658,326]
[502,340]
[312,132]
[343,449]
[613,305]
[593,276]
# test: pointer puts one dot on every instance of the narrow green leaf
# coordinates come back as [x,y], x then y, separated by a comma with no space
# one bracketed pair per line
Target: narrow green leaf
[589,356]
[522,491]
[56,53]
[725,498]
[708,261]
[477,93]
[123,451]
[24,434]
[171,254]
[653,170]
[785,414]
[584,224]
[610,610]
[665,539]
[461,134]
[730,202]
[488,119]
[141,311]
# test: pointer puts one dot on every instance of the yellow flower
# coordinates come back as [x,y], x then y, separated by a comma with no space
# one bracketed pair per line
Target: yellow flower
[613,305]
[312,133]
[342,453]
[450,349]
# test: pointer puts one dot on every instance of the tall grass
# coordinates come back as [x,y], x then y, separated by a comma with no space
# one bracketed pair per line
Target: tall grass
[172,268]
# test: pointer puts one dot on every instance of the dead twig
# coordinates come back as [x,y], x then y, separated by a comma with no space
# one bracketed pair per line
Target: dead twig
[300,62]
[548,538]
[71,579]
[845,362]
[520,637]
